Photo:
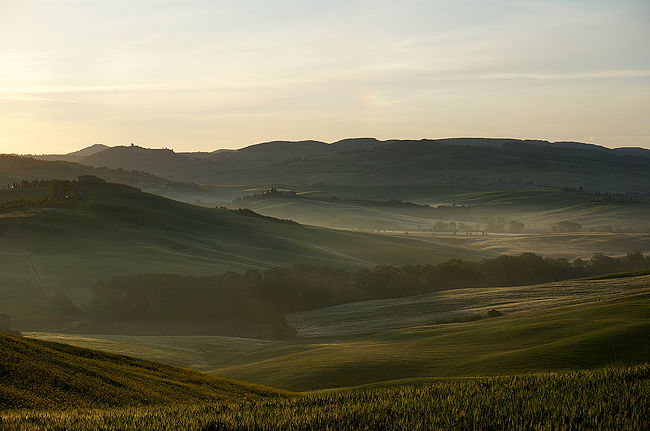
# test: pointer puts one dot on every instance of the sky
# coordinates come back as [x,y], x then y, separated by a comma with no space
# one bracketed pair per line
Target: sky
[198,75]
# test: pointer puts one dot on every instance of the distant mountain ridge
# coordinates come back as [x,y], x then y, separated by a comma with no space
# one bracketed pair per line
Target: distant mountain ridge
[394,162]
[75,155]
[278,149]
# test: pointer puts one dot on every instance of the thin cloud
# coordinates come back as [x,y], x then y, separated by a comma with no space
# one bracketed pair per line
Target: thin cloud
[69,89]
[600,74]
[28,98]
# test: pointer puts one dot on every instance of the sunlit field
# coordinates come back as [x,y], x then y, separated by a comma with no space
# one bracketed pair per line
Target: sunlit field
[317,216]
[614,398]
[567,325]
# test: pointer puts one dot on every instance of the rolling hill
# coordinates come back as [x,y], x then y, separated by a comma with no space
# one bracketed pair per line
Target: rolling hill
[538,210]
[571,337]
[40,374]
[566,325]
[366,162]
[16,169]
[75,155]
[52,256]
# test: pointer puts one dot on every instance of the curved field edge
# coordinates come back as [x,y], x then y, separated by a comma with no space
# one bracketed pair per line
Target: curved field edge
[556,336]
[571,337]
[570,400]
[40,374]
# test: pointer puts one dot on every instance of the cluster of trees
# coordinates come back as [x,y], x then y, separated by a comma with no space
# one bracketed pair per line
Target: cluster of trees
[500,224]
[64,189]
[566,226]
[28,184]
[254,303]
[273,192]
[60,191]
[250,213]
[452,226]
[611,197]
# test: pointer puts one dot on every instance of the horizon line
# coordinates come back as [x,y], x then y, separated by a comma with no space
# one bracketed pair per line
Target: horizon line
[133,144]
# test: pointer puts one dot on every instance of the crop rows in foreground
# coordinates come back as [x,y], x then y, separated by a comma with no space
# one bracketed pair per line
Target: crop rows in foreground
[604,399]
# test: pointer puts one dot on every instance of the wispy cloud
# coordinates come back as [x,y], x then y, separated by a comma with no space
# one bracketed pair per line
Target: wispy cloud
[31,98]
[85,89]
[234,72]
[599,74]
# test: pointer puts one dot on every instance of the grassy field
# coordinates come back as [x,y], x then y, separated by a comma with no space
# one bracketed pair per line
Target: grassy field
[613,228]
[567,325]
[639,273]
[566,245]
[115,230]
[574,337]
[539,210]
[29,194]
[456,305]
[118,230]
[573,400]
[39,374]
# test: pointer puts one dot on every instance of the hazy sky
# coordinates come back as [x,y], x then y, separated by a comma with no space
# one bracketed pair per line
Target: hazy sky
[201,75]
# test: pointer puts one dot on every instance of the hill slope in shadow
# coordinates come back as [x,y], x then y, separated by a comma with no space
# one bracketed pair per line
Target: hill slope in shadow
[51,253]
[41,374]
[457,161]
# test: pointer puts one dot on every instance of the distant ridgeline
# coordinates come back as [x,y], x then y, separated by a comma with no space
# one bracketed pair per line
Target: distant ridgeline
[613,197]
[274,193]
[250,213]
[44,192]
[368,162]
[485,214]
[254,303]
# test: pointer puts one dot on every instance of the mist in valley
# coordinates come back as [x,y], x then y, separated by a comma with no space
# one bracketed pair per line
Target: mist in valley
[324,215]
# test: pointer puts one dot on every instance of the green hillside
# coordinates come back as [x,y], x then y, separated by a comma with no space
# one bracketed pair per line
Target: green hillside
[538,210]
[572,337]
[44,375]
[574,400]
[49,254]
[565,325]
[16,169]
[537,183]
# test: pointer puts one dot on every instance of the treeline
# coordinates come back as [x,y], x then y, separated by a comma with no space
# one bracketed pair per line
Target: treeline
[60,192]
[250,213]
[274,193]
[612,197]
[254,303]
[28,184]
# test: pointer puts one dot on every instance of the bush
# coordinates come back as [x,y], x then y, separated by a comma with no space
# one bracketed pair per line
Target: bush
[494,313]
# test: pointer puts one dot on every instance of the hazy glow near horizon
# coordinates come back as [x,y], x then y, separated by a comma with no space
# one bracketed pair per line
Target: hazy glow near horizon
[202,75]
